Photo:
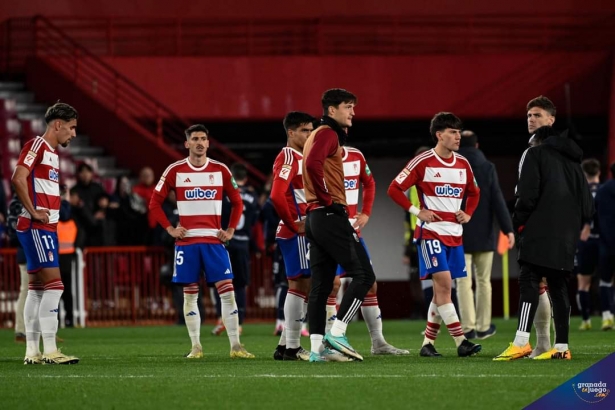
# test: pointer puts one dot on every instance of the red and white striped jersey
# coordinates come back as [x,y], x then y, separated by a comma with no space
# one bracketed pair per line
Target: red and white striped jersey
[357,173]
[287,193]
[441,185]
[199,193]
[43,183]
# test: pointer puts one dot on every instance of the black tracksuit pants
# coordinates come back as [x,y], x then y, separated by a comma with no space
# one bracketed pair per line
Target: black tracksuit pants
[557,282]
[333,241]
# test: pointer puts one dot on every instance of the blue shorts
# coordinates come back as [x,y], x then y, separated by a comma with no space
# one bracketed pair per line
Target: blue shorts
[587,256]
[210,258]
[436,257]
[340,270]
[41,248]
[294,251]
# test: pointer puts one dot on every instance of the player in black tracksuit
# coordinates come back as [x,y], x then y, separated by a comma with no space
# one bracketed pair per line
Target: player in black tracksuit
[553,203]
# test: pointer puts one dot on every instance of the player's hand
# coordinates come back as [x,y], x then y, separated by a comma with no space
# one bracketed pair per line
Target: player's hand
[511,240]
[585,233]
[41,215]
[361,221]
[177,233]
[462,217]
[300,226]
[428,216]
[227,235]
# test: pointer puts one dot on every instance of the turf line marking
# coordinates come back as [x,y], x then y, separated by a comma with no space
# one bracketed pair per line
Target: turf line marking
[272,376]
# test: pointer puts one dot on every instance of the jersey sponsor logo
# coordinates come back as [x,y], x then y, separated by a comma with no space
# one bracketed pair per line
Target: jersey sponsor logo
[402,176]
[437,175]
[351,184]
[449,191]
[187,180]
[199,193]
[284,173]
[54,175]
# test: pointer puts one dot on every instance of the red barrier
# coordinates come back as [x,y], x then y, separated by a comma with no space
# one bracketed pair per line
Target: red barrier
[9,287]
[123,286]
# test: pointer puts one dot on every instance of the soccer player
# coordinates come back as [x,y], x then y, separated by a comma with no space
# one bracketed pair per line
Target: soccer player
[36,182]
[288,199]
[553,202]
[442,178]
[356,174]
[200,183]
[588,248]
[605,207]
[333,241]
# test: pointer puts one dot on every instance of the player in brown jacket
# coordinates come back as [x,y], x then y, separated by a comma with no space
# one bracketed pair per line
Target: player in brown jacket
[333,241]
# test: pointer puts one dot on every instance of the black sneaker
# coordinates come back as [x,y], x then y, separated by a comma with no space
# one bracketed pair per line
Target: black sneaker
[429,351]
[467,348]
[279,352]
[487,333]
[471,334]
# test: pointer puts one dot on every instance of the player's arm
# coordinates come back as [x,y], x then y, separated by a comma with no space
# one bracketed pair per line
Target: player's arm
[369,194]
[472,197]
[408,177]
[155,207]
[528,189]
[232,192]
[325,145]
[282,175]
[28,159]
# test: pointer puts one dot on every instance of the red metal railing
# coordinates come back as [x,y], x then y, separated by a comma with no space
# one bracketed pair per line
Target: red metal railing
[373,35]
[24,38]
[124,286]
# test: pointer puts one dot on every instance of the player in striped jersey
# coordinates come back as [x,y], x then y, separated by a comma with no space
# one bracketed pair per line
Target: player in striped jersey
[200,184]
[288,199]
[36,181]
[442,178]
[357,174]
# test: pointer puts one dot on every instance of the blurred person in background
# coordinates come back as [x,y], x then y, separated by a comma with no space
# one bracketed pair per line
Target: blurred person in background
[67,235]
[85,197]
[588,248]
[15,209]
[146,185]
[479,242]
[239,246]
[129,212]
[605,207]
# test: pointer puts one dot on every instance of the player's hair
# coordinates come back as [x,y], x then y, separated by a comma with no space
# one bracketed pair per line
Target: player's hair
[591,167]
[468,139]
[239,171]
[60,111]
[295,119]
[82,166]
[336,96]
[542,133]
[442,121]
[421,149]
[542,102]
[196,128]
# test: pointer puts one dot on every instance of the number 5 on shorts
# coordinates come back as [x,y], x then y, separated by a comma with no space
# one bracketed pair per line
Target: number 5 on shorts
[179,257]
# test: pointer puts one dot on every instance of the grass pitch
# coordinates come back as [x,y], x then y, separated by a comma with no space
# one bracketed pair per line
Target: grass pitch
[144,368]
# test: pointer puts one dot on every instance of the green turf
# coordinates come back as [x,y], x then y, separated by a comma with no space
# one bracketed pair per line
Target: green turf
[143,367]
